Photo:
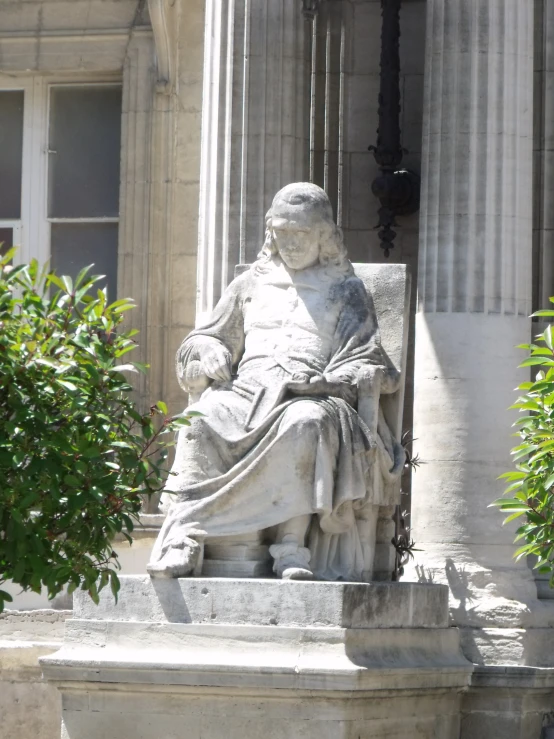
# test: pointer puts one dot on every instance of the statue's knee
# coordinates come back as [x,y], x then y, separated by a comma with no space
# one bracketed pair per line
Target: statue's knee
[306,416]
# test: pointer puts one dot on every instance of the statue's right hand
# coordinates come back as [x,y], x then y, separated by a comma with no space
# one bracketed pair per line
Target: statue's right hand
[216,363]
[193,379]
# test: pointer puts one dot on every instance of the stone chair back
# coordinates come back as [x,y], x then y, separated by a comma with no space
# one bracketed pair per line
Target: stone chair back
[389,287]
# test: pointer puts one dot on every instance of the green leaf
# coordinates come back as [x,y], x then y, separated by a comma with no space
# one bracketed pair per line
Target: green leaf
[92,451]
[531,361]
[68,385]
[524,550]
[123,368]
[514,475]
[515,515]
[548,337]
[123,308]
[68,283]
[513,507]
[549,482]
[55,280]
[4,261]
[80,277]
[115,585]
[141,367]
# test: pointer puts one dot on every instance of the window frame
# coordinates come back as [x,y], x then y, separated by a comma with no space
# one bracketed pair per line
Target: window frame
[34,225]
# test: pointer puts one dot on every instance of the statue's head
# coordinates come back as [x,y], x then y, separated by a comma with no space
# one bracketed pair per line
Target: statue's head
[300,229]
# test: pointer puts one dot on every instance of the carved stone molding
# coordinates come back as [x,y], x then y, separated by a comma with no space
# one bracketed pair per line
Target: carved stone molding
[163,18]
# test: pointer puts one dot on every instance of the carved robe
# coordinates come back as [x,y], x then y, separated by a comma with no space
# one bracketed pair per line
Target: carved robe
[259,456]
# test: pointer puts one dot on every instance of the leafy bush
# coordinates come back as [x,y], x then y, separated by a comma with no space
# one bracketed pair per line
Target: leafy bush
[531,488]
[75,453]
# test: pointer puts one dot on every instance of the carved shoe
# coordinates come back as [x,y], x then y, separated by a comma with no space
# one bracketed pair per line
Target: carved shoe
[177,562]
[291,562]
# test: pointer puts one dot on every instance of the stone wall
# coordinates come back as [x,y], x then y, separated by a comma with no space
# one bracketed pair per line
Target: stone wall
[29,707]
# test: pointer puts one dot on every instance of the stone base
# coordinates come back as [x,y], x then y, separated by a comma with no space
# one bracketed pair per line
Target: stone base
[237,556]
[511,702]
[215,658]
[245,568]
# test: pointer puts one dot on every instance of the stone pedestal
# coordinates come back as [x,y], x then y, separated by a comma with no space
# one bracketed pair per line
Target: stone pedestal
[232,658]
[244,555]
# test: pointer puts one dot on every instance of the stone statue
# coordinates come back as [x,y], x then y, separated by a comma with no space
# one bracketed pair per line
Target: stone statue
[280,447]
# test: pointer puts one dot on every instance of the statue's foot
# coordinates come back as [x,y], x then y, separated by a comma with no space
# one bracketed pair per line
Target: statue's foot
[177,562]
[297,573]
[291,561]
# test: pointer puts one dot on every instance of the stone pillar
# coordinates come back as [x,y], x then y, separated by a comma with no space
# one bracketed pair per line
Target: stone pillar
[134,241]
[254,129]
[474,303]
[174,187]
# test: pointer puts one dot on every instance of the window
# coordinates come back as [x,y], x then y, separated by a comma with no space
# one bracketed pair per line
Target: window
[59,173]
[11,163]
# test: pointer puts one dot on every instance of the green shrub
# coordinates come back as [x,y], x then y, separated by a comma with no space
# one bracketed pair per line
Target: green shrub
[531,488]
[75,453]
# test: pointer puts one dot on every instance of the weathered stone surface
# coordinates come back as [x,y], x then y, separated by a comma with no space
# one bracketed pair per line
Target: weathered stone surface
[201,714]
[29,706]
[34,626]
[513,702]
[279,657]
[291,437]
[474,301]
[270,602]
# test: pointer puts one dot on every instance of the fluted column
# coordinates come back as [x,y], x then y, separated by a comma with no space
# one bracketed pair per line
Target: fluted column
[476,202]
[134,242]
[254,128]
[474,299]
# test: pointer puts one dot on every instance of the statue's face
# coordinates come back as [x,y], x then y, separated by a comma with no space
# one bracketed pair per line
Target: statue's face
[297,242]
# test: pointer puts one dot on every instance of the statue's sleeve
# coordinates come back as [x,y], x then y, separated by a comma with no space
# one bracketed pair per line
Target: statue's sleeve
[356,341]
[225,326]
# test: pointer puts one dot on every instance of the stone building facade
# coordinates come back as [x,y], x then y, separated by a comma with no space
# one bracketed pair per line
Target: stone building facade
[213,105]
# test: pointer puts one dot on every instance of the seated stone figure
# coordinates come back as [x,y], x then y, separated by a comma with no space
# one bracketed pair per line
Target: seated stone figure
[279,446]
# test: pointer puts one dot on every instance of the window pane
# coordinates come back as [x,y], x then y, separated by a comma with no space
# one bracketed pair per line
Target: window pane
[85,136]
[6,239]
[11,151]
[76,245]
